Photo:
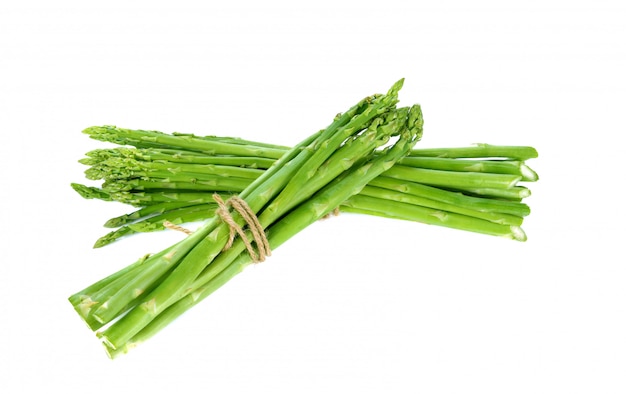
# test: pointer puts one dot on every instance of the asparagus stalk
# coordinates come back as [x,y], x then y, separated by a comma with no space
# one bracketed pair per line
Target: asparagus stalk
[514,193]
[185,142]
[156,139]
[120,168]
[452,179]
[479,151]
[174,156]
[145,212]
[237,140]
[178,182]
[512,167]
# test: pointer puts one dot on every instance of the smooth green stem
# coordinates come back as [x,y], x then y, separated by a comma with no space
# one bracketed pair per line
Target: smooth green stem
[398,210]
[213,184]
[98,156]
[512,167]
[479,151]
[160,197]
[453,179]
[145,212]
[209,169]
[241,141]
[516,193]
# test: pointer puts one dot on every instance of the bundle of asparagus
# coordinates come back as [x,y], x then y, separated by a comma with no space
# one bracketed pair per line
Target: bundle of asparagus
[255,196]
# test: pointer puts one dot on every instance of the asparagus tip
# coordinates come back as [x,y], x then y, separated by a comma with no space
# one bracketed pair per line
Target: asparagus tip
[115,222]
[92,130]
[395,88]
[105,240]
[88,192]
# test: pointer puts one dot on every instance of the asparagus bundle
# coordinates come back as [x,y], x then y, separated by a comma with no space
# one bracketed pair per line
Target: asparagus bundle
[475,188]
[306,183]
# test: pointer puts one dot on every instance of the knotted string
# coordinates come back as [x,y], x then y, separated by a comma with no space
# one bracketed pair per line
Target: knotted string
[172,226]
[239,205]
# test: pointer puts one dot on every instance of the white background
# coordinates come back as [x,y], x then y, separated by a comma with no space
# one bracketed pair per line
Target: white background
[352,304]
